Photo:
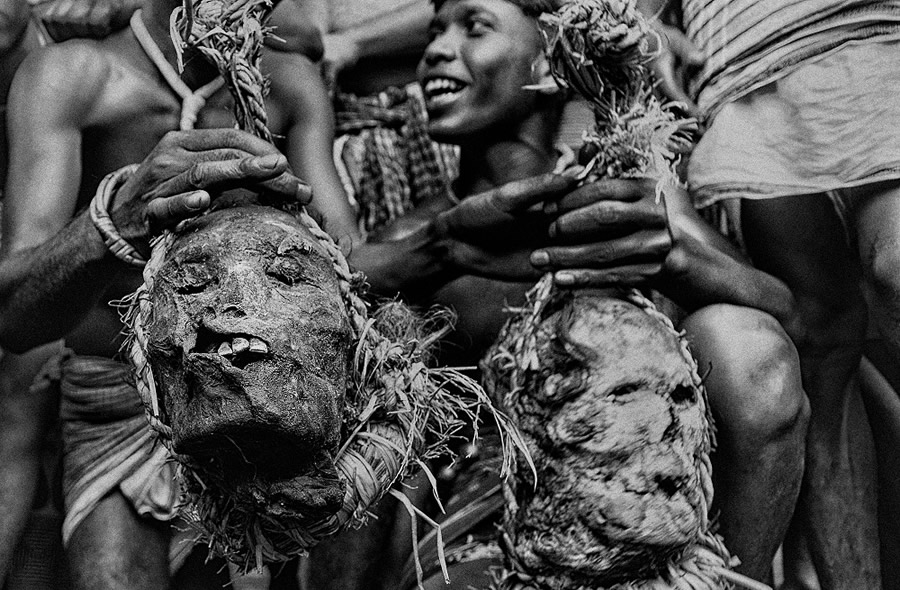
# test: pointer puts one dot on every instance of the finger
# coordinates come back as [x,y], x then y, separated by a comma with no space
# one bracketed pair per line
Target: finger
[475,261]
[640,247]
[199,140]
[672,89]
[167,212]
[100,20]
[622,189]
[630,275]
[269,172]
[517,196]
[606,216]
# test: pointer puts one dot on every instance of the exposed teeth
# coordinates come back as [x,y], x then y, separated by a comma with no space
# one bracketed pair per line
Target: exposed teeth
[441,85]
[239,345]
[225,349]
[257,345]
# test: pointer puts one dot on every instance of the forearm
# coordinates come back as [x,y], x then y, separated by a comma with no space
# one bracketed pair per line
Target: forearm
[412,265]
[46,290]
[698,275]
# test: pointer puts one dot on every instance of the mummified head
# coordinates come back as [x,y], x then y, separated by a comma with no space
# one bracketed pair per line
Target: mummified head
[617,428]
[249,343]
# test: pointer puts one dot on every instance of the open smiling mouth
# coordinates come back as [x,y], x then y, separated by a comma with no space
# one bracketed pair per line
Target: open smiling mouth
[440,91]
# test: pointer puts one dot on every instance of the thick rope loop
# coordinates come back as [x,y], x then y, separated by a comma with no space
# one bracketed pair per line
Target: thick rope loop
[99,212]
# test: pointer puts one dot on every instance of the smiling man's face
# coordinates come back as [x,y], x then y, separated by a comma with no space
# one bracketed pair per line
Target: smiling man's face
[480,55]
[249,342]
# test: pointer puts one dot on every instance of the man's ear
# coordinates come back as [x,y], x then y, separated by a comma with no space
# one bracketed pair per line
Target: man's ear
[542,80]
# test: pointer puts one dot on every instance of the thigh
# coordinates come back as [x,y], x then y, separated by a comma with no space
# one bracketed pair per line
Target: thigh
[802,241]
[877,224]
[115,549]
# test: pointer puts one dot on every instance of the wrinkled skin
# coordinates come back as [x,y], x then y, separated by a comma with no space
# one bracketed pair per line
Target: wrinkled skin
[249,343]
[615,427]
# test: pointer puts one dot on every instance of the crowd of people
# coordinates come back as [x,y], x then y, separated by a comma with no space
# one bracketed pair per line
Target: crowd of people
[426,138]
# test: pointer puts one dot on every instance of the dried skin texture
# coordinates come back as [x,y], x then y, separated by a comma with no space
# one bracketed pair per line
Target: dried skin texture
[249,341]
[617,431]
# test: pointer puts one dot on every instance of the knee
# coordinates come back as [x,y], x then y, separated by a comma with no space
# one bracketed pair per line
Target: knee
[882,268]
[753,379]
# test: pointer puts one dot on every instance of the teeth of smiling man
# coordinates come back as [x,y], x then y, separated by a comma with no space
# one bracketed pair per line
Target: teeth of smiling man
[441,85]
[239,345]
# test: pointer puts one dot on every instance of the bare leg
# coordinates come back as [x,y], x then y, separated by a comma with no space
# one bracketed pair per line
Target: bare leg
[761,418]
[878,230]
[25,415]
[114,549]
[800,240]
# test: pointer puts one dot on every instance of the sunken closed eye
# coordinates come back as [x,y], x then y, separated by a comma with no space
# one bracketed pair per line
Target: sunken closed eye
[193,278]
[286,270]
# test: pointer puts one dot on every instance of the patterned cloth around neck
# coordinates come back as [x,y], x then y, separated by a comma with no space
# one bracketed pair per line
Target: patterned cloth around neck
[387,160]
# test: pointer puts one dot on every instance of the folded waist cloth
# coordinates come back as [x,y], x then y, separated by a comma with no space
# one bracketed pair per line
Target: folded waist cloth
[108,445]
[832,124]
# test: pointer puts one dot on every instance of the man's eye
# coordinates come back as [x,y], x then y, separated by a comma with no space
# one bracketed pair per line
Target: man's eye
[285,270]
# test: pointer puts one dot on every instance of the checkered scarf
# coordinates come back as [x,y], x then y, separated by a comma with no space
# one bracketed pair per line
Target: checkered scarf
[400,166]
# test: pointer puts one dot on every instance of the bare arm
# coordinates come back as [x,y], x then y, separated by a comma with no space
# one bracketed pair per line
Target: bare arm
[309,147]
[403,31]
[614,232]
[45,270]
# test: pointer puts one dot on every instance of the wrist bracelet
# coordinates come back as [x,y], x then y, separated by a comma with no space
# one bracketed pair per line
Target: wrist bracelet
[115,243]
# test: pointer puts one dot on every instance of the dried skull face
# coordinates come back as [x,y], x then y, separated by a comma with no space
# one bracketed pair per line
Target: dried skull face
[617,428]
[249,343]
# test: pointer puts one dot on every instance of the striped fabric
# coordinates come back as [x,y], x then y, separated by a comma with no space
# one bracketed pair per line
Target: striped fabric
[750,43]
[107,444]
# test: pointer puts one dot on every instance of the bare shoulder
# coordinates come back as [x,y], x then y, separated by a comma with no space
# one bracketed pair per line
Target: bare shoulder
[65,80]
[294,78]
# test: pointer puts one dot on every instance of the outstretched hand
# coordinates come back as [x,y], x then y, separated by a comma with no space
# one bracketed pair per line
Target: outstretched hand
[607,232]
[187,169]
[493,233]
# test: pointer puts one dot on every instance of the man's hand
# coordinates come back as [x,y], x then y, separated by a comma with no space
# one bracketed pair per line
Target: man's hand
[493,233]
[65,19]
[675,53]
[607,232]
[187,169]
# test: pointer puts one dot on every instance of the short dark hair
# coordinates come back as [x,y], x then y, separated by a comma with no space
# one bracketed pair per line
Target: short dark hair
[533,8]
